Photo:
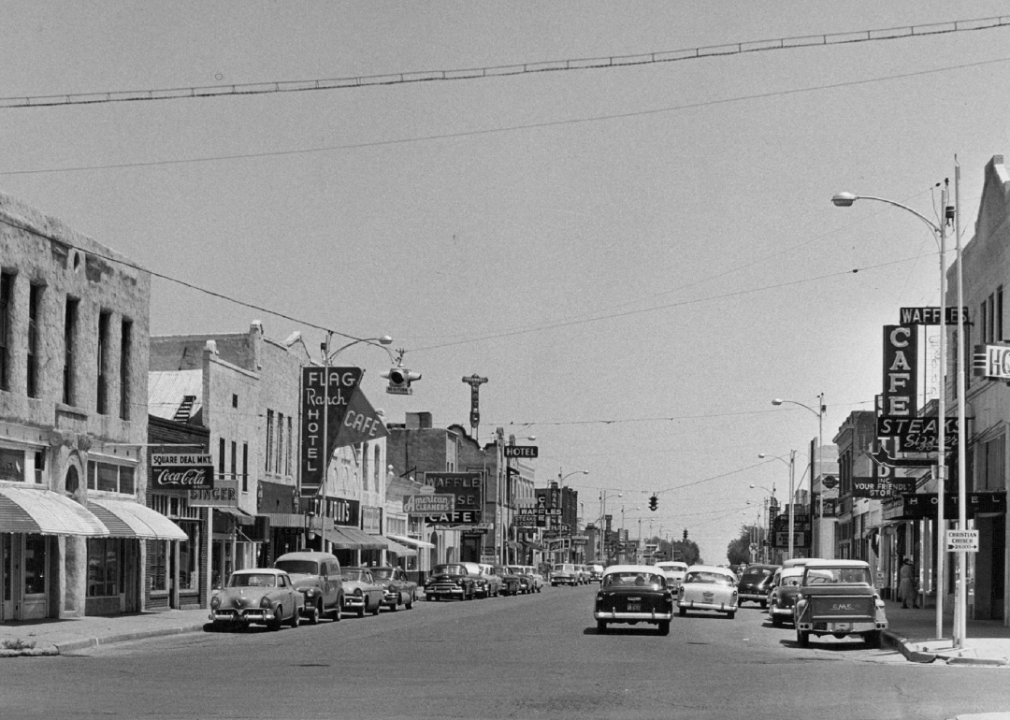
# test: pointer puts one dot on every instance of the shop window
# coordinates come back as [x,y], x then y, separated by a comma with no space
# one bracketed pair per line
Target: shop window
[36,564]
[69,349]
[280,443]
[270,440]
[12,465]
[189,557]
[125,357]
[287,462]
[102,400]
[245,467]
[157,565]
[104,566]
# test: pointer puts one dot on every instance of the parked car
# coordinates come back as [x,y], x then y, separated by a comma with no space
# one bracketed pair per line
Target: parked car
[525,579]
[674,571]
[451,580]
[263,596]
[481,586]
[753,584]
[782,591]
[582,572]
[537,581]
[491,579]
[511,582]
[710,588]
[633,594]
[595,572]
[397,588]
[361,591]
[837,597]
[564,574]
[317,576]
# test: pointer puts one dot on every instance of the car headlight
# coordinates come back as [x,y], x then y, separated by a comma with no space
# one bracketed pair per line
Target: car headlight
[215,602]
[265,603]
[312,592]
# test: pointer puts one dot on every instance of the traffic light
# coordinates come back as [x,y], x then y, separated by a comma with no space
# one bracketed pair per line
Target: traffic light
[400,379]
[685,533]
[653,503]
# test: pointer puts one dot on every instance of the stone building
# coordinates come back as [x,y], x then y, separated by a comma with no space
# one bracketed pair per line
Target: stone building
[73,423]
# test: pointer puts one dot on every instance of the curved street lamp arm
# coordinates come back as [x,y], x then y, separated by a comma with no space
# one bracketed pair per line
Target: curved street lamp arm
[379,342]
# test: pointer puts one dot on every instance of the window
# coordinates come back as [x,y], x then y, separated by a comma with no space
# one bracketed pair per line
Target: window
[69,347]
[270,440]
[234,400]
[105,571]
[990,474]
[157,565]
[245,467]
[234,462]
[109,477]
[125,356]
[102,402]
[36,564]
[280,443]
[998,312]
[287,461]
[220,456]
[6,328]
[20,465]
[364,467]
[189,556]
[376,465]
[34,309]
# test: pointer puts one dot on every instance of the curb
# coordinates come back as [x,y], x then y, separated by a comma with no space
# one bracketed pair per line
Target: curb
[894,640]
[72,645]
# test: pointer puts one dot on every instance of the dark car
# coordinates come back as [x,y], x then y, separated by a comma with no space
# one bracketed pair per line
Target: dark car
[783,588]
[398,588]
[753,584]
[451,580]
[633,594]
[511,582]
[317,576]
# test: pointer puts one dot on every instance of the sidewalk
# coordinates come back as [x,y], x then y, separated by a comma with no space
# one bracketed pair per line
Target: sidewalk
[913,633]
[53,637]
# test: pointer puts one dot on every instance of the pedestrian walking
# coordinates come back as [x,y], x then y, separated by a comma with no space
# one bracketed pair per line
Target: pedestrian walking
[906,584]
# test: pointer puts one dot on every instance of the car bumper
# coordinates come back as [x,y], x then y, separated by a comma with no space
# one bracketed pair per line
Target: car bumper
[777,611]
[354,601]
[243,617]
[754,596]
[614,616]
[835,628]
[444,592]
[717,607]
[563,581]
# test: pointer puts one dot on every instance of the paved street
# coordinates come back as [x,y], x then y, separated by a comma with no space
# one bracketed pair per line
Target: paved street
[535,656]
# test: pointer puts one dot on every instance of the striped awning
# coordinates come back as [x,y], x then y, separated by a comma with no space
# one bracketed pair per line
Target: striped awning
[412,542]
[395,547]
[345,537]
[44,512]
[129,519]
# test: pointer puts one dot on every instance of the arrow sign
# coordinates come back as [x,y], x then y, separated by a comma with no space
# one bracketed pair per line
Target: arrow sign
[882,457]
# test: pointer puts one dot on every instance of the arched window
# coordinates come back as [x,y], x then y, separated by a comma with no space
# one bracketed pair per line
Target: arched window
[73,480]
[376,467]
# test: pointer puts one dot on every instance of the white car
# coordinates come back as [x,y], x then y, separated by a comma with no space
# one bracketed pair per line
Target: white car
[674,571]
[710,588]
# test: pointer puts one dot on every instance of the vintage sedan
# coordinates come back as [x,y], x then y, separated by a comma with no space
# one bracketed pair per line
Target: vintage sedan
[564,574]
[753,583]
[264,596]
[511,582]
[837,597]
[633,594]
[492,579]
[317,576]
[450,580]
[709,588]
[362,593]
[525,579]
[783,588]
[674,571]
[398,589]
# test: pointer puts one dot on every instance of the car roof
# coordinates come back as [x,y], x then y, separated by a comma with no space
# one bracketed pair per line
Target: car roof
[671,564]
[260,571]
[307,555]
[820,564]
[630,568]
[761,566]
[711,568]
[791,571]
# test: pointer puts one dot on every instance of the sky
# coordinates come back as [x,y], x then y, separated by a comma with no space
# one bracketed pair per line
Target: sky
[638,257]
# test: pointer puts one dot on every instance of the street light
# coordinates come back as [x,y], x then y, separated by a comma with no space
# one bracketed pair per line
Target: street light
[816,550]
[379,342]
[845,199]
[792,492]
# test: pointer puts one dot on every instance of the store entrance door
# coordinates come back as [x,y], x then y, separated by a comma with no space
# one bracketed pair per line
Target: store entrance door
[6,577]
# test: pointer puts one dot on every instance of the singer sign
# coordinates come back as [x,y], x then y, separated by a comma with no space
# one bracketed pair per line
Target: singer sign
[182,471]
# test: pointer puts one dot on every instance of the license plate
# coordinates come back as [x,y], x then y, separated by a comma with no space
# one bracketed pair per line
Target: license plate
[634,607]
[839,627]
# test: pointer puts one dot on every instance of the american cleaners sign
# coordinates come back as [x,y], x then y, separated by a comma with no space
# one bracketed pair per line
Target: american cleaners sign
[182,471]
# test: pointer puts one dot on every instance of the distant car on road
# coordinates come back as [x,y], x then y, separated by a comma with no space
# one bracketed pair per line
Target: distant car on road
[263,596]
[361,591]
[595,572]
[709,588]
[633,594]
[564,574]
[317,576]
[674,571]
[398,589]
[753,584]
[782,591]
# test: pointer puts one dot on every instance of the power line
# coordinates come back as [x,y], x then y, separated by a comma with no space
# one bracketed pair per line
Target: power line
[598,63]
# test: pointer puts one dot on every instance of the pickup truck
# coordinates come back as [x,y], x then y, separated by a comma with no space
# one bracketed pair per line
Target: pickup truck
[837,597]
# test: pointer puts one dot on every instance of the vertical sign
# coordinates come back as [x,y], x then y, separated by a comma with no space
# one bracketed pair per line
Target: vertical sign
[474,381]
[326,393]
[901,371]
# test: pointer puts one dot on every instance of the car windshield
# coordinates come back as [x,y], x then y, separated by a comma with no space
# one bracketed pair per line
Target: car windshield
[382,573]
[449,570]
[653,581]
[703,576]
[841,576]
[353,575]
[253,580]
[516,570]
[298,567]
[755,574]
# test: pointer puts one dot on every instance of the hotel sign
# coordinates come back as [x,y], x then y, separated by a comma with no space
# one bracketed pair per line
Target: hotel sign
[991,361]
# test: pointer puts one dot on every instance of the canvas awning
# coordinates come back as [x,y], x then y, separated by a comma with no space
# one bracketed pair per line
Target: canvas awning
[412,542]
[130,519]
[345,537]
[44,512]
[399,549]
[240,515]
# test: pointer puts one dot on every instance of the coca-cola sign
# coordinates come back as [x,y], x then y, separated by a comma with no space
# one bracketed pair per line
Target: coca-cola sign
[182,472]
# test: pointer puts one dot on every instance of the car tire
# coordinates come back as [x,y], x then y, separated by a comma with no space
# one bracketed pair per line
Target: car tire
[872,639]
[776,621]
[378,607]
[410,601]
[802,638]
[338,612]
[296,617]
[429,598]
[764,604]
[664,627]
[682,611]
[601,627]
[361,611]
[317,612]
[278,620]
